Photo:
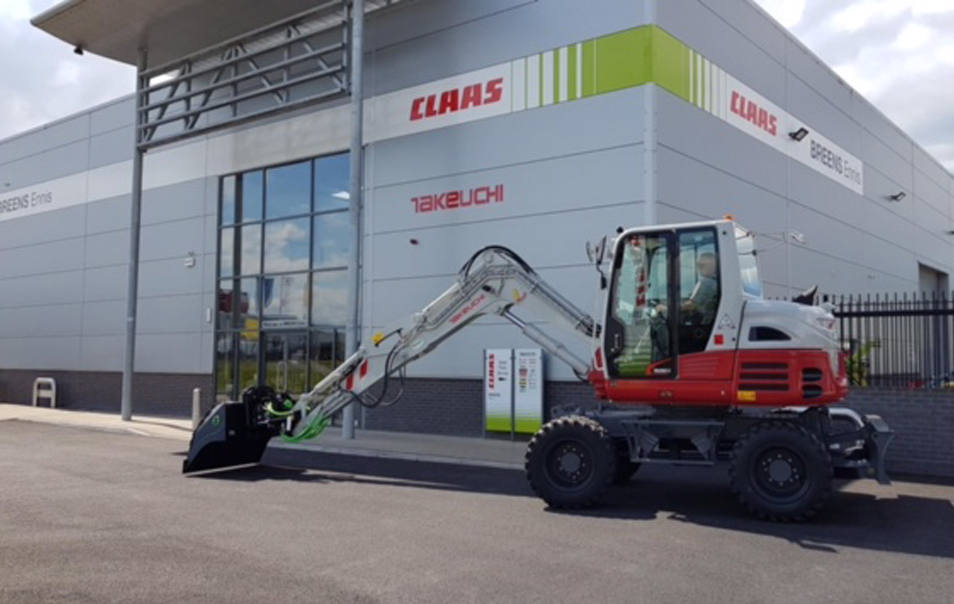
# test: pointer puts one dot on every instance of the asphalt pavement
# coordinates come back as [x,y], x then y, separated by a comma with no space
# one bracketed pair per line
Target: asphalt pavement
[106,517]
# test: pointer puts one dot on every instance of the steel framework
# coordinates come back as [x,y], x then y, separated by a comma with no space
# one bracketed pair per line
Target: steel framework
[284,66]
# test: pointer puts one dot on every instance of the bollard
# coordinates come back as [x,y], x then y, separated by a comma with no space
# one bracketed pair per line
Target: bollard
[196,407]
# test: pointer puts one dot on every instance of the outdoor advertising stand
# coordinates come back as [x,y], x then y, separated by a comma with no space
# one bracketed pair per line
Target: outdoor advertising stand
[513,390]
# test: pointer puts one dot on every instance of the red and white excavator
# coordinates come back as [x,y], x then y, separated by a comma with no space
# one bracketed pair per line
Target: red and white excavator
[689,363]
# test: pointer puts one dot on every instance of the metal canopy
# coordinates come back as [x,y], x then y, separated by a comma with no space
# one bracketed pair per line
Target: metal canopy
[166,29]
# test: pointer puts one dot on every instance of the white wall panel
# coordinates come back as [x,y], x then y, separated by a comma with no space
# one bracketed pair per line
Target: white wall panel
[102,353]
[44,321]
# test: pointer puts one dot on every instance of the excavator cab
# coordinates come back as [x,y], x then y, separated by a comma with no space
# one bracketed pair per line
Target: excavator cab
[676,293]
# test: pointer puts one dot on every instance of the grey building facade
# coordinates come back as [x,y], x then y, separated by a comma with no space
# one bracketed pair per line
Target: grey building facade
[535,124]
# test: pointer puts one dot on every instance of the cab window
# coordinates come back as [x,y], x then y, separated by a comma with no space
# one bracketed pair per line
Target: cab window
[699,288]
[638,330]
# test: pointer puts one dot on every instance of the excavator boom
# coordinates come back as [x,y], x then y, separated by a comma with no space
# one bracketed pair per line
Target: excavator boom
[494,281]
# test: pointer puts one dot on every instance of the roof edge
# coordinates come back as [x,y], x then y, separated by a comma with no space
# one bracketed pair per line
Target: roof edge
[53,11]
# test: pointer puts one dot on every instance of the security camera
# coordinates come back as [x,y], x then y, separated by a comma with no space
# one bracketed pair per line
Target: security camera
[78,49]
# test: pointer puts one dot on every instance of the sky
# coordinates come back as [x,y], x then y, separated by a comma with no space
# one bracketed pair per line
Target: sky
[897,53]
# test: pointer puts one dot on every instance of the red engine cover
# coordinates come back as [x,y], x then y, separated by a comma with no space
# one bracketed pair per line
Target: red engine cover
[769,378]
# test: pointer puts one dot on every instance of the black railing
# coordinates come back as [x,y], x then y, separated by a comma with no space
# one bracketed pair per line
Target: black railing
[897,340]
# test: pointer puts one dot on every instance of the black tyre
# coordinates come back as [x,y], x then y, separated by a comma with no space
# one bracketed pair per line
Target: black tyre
[571,462]
[780,471]
[625,469]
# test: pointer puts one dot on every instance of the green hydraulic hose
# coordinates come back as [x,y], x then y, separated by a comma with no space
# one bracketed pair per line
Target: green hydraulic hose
[317,427]
[275,413]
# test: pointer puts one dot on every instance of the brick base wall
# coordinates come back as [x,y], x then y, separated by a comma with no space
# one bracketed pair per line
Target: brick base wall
[456,407]
[155,393]
[923,422]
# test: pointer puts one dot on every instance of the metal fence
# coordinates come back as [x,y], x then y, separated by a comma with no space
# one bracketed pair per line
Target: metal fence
[897,340]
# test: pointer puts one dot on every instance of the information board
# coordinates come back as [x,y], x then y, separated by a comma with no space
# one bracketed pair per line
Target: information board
[528,390]
[498,390]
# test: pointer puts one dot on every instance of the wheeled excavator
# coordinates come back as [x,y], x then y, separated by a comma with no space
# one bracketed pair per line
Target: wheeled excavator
[690,366]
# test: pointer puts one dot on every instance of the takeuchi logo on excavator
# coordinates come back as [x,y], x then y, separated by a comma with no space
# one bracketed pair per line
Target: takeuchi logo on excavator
[468,309]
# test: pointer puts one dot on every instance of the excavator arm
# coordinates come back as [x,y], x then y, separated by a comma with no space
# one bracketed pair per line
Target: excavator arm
[493,282]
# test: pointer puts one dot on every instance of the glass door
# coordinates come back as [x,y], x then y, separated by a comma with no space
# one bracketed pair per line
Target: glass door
[286,361]
[639,329]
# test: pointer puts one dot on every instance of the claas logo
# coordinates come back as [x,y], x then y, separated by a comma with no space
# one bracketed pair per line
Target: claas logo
[457,99]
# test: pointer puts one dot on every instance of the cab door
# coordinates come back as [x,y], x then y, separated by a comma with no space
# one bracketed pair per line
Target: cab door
[639,335]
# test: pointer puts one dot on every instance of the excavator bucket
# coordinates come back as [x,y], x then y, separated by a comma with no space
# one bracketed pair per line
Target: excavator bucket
[232,434]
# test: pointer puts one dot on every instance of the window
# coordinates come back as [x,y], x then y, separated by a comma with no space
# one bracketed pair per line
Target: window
[331,240]
[287,245]
[699,288]
[284,238]
[253,194]
[332,183]
[288,191]
[748,263]
[638,331]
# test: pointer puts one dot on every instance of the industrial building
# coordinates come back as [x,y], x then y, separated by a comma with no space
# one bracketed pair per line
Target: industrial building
[534,124]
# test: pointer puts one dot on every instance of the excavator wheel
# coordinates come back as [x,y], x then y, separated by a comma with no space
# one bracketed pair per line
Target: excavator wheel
[571,462]
[780,471]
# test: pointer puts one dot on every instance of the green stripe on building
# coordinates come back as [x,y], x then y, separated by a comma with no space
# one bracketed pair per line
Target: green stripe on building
[571,73]
[670,63]
[540,79]
[589,68]
[526,83]
[632,58]
[626,59]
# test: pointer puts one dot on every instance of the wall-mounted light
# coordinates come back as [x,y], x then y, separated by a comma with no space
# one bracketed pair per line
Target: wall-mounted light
[898,196]
[189,260]
[799,134]
[78,50]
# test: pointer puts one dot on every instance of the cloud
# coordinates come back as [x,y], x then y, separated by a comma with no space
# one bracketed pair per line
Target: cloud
[12,11]
[787,12]
[898,54]
[42,79]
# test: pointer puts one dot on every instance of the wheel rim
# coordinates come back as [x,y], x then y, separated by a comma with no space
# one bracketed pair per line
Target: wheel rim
[569,464]
[780,474]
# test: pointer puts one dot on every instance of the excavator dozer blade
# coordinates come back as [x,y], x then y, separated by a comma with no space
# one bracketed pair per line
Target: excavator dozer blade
[230,435]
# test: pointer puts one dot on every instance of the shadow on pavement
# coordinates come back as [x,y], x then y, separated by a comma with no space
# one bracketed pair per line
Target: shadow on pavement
[308,466]
[906,524]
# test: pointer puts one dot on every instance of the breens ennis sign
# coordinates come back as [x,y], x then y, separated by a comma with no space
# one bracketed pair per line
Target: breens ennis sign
[51,195]
[21,203]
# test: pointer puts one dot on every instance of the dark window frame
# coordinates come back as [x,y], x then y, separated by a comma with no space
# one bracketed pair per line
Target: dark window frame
[238,222]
